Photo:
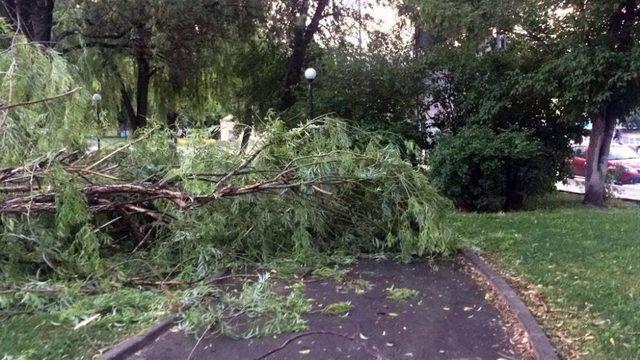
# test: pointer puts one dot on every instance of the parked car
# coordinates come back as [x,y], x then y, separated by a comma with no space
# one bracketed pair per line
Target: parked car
[623,161]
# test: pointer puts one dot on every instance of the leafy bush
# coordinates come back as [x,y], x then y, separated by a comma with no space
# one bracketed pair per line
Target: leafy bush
[372,91]
[488,171]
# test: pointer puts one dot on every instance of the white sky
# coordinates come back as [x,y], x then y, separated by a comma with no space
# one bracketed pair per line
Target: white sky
[385,16]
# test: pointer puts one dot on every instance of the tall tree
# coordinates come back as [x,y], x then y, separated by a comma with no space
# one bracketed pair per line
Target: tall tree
[137,45]
[34,18]
[596,63]
[302,35]
[336,23]
[586,59]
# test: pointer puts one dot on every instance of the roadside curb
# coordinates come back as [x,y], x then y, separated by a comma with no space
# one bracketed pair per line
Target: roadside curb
[540,343]
[135,343]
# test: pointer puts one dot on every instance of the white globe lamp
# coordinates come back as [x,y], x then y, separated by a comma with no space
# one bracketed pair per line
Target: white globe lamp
[310,74]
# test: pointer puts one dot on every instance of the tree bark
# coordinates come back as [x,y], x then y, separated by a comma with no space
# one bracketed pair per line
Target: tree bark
[421,41]
[302,36]
[142,92]
[598,159]
[42,21]
[34,18]
[127,107]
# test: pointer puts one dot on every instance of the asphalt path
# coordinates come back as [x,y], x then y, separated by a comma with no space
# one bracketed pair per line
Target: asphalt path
[450,318]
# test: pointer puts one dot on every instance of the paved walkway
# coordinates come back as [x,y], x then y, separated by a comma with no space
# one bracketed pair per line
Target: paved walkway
[624,192]
[449,319]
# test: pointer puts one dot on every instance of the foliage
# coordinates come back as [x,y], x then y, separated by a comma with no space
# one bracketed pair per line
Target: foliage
[347,214]
[477,84]
[263,310]
[335,273]
[338,308]
[359,285]
[373,91]
[346,191]
[493,90]
[52,334]
[487,171]
[581,260]
[159,57]
[401,294]
[31,74]
[574,61]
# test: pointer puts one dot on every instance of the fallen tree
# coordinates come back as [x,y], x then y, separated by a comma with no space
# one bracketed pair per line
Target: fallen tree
[323,186]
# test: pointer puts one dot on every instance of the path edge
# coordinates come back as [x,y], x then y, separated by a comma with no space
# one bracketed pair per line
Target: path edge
[540,343]
[130,346]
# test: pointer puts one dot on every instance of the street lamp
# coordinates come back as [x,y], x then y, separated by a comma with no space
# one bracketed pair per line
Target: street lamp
[310,74]
[96,98]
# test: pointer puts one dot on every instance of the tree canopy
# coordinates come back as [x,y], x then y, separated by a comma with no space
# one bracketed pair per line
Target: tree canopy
[577,61]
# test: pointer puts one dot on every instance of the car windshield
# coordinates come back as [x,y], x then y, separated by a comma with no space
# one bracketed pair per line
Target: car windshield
[622,153]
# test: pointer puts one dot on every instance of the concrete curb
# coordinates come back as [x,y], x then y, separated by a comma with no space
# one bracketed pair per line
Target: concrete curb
[135,343]
[542,347]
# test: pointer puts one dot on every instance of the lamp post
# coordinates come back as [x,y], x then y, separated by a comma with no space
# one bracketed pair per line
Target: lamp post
[310,74]
[96,98]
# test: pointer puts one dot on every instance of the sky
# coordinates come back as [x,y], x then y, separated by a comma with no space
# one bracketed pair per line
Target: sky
[385,16]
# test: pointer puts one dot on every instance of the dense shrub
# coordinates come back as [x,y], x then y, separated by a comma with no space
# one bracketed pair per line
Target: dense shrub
[372,91]
[487,171]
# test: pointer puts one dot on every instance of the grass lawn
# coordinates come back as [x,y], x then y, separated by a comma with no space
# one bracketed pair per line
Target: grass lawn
[55,334]
[584,261]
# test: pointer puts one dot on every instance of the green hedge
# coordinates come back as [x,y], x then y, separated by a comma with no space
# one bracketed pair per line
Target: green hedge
[484,170]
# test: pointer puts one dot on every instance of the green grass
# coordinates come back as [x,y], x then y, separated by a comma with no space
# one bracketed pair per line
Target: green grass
[586,260]
[401,294]
[51,334]
[339,308]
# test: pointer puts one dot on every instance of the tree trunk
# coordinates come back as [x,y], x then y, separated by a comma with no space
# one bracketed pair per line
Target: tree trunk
[42,21]
[127,107]
[142,93]
[302,36]
[620,31]
[294,68]
[421,41]
[34,18]
[598,159]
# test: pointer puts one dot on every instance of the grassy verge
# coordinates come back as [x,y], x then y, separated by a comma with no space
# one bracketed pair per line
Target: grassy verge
[584,261]
[60,334]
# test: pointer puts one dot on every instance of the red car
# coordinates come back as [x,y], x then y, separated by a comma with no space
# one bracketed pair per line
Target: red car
[622,160]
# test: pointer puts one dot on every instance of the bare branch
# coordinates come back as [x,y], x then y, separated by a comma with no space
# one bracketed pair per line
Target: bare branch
[28,103]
